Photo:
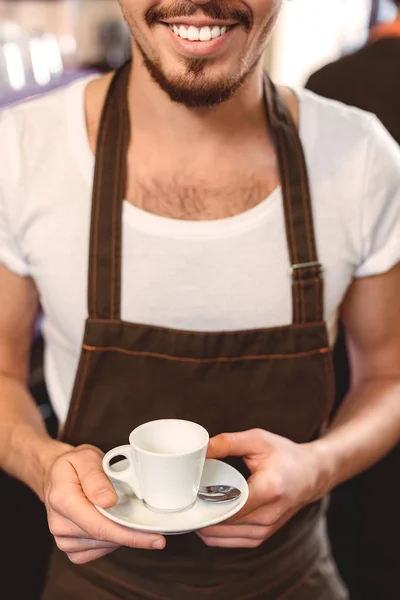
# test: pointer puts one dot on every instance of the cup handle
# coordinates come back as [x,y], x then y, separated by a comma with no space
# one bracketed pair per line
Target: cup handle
[128,475]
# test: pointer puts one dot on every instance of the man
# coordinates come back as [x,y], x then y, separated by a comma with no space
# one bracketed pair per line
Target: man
[368,79]
[235,260]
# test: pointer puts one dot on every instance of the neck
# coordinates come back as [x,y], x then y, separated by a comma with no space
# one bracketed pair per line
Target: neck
[189,140]
[173,125]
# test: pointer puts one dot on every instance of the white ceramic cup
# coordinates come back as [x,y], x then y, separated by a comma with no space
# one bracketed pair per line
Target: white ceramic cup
[165,463]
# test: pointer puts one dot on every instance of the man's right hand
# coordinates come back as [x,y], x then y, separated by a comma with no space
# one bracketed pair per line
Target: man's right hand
[69,480]
[74,483]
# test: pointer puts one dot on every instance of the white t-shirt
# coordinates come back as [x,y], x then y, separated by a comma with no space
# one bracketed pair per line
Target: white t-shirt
[226,274]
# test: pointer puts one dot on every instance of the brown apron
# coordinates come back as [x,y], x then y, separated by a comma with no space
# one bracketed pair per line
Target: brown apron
[278,379]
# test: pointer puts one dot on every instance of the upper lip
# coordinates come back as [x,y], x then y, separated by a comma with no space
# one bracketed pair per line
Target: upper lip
[198,22]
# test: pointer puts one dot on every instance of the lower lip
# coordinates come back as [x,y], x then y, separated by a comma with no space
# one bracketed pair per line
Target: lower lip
[200,49]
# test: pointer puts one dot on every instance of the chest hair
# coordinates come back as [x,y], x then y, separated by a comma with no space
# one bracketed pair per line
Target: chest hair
[183,198]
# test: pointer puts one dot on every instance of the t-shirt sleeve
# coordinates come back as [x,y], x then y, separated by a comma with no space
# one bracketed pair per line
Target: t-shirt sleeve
[11,255]
[380,216]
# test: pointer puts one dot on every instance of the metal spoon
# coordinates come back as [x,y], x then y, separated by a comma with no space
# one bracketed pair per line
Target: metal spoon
[219,493]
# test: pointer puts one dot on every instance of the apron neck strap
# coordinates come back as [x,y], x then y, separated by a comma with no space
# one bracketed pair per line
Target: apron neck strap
[109,186]
[305,268]
[104,289]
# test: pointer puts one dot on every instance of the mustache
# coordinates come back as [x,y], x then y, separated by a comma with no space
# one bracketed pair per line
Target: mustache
[216,9]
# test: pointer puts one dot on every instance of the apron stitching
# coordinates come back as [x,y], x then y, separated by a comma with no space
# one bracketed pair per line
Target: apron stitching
[330,382]
[292,240]
[114,223]
[303,302]
[307,212]
[79,394]
[316,286]
[66,427]
[305,201]
[208,333]
[205,360]
[99,178]
[303,316]
[125,144]
[329,378]
[300,313]
[93,294]
[296,318]
[308,219]
[300,289]
[287,197]
[319,292]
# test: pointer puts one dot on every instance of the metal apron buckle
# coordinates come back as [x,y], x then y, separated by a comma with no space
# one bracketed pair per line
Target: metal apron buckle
[310,265]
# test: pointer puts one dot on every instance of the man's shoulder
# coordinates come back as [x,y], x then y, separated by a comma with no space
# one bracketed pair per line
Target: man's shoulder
[50,103]
[37,121]
[37,131]
[345,144]
[332,119]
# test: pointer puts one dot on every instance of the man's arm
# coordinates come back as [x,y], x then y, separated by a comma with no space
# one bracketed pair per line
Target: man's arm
[24,442]
[287,476]
[68,480]
[367,425]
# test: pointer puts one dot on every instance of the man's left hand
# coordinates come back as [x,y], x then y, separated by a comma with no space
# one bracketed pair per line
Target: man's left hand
[285,477]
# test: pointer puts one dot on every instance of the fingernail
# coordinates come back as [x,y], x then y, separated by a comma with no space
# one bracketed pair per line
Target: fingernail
[158,545]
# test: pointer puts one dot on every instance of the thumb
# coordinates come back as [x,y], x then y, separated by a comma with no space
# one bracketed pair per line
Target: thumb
[243,443]
[95,484]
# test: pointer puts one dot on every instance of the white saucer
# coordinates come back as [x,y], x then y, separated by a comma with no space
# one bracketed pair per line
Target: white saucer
[131,512]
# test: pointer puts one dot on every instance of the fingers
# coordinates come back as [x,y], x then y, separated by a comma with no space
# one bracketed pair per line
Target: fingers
[70,545]
[255,532]
[80,558]
[244,443]
[71,514]
[265,516]
[248,533]
[232,542]
[77,509]
[61,527]
[87,462]
[256,500]
[72,540]
[236,536]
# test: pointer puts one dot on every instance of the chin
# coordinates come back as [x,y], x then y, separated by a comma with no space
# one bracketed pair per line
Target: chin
[196,83]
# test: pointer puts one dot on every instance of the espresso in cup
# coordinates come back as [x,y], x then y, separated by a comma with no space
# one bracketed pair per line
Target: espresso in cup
[165,463]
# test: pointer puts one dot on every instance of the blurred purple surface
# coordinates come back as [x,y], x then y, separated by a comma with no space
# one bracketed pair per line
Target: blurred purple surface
[12,97]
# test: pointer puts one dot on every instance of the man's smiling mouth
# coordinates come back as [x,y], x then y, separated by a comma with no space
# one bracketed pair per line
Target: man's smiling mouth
[198,34]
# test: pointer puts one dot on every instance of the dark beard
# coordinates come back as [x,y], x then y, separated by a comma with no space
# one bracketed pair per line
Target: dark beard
[193,90]
[195,93]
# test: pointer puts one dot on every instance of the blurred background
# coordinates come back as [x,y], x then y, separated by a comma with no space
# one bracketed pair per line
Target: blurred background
[48,43]
[45,44]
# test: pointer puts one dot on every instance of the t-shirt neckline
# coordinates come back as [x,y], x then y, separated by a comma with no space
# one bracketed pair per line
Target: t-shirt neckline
[148,222]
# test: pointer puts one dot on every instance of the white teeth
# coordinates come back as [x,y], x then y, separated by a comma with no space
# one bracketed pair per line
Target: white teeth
[205,34]
[195,34]
[182,32]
